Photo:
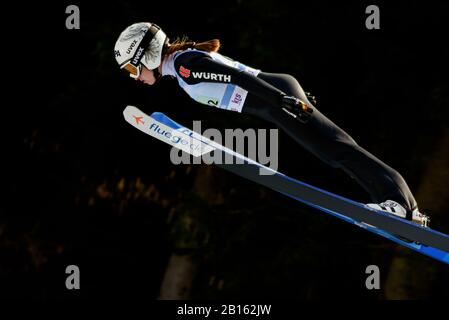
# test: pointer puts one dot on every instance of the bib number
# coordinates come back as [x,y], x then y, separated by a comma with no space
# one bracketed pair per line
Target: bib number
[208,100]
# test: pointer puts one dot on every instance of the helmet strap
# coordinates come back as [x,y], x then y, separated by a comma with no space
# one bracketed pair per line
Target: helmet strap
[157,74]
[143,45]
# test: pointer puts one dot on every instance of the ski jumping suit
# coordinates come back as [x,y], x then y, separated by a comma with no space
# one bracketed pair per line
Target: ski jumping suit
[213,79]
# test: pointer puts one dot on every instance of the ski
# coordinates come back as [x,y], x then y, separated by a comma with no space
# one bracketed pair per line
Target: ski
[426,241]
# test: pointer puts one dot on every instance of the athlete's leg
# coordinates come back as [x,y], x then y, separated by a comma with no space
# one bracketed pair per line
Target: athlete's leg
[332,145]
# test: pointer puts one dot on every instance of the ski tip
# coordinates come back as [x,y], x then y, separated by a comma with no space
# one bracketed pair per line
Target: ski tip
[130,109]
[134,116]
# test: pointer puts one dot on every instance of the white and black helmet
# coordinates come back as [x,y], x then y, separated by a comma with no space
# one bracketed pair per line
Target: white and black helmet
[140,43]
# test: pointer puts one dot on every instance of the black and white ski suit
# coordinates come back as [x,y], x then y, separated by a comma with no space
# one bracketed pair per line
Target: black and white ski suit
[213,79]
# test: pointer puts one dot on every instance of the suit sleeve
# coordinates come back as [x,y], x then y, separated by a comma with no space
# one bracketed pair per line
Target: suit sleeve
[197,67]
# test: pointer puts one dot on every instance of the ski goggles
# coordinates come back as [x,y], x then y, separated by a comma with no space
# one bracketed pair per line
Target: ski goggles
[131,69]
[135,71]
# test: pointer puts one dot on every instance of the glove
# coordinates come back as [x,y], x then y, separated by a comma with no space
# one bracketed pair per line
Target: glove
[311,98]
[296,108]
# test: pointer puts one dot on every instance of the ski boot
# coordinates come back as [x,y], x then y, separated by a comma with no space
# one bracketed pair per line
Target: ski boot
[392,207]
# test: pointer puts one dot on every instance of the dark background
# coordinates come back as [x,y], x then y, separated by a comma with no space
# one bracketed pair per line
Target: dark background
[83,187]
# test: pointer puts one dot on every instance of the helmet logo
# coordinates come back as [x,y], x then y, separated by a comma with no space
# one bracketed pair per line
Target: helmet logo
[133,44]
[117,53]
[138,56]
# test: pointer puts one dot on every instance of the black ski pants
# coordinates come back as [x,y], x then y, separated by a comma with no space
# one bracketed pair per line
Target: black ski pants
[331,144]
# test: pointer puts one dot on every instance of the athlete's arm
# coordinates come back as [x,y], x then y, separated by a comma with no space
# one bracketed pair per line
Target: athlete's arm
[197,67]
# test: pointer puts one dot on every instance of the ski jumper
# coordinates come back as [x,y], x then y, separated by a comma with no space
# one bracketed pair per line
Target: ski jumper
[216,80]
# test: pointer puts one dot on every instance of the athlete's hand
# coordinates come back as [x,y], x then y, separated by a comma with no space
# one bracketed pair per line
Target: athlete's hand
[311,98]
[290,102]
[296,108]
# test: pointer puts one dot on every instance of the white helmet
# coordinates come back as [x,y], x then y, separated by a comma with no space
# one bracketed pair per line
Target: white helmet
[140,43]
